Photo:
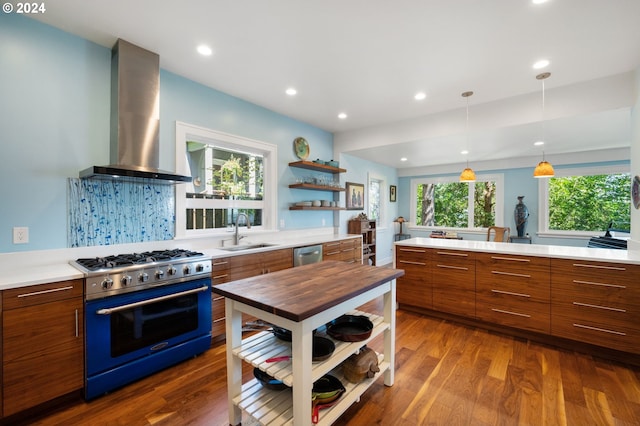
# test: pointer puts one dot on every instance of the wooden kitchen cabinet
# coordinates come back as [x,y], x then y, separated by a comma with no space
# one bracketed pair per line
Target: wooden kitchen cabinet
[514,291]
[42,343]
[233,268]
[597,303]
[415,287]
[366,228]
[453,274]
[347,250]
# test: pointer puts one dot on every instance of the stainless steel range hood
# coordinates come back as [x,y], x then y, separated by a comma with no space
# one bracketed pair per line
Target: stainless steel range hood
[135,99]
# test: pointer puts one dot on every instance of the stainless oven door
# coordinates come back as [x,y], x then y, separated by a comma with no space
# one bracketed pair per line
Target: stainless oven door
[139,333]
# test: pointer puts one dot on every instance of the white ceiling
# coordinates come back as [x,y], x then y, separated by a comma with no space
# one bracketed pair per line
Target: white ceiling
[368,58]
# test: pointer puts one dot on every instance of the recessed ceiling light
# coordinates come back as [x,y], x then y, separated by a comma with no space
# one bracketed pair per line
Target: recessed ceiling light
[291,91]
[204,50]
[538,143]
[403,159]
[540,64]
[420,96]
[538,1]
[342,116]
[464,152]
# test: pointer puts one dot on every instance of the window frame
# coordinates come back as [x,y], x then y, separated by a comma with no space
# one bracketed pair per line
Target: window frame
[189,132]
[498,178]
[543,198]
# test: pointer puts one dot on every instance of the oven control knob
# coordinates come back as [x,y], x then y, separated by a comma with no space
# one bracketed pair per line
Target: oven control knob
[159,274]
[143,277]
[107,283]
[171,270]
[199,267]
[125,280]
[187,269]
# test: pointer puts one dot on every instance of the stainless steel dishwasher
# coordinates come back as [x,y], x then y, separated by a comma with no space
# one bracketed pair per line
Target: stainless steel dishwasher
[306,255]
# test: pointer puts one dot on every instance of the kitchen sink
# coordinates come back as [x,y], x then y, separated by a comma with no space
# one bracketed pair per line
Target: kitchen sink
[247,247]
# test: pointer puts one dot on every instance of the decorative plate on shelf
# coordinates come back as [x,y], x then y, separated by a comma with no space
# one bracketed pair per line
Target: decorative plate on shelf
[635,192]
[301,147]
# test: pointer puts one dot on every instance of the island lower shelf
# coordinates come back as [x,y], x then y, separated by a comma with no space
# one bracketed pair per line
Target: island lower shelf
[267,406]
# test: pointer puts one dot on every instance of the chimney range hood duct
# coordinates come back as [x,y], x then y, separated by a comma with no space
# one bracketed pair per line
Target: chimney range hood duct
[135,99]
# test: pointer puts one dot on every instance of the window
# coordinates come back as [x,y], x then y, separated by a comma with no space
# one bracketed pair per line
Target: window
[374,199]
[447,203]
[231,175]
[585,201]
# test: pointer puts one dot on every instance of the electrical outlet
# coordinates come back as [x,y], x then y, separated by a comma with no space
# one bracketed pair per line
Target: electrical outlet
[20,235]
[281,223]
[323,222]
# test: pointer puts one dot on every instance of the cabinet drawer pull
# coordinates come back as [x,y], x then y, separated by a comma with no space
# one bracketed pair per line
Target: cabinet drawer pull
[462,268]
[217,277]
[513,259]
[446,253]
[512,274]
[220,263]
[510,313]
[412,263]
[604,330]
[600,284]
[53,290]
[587,305]
[510,293]
[332,253]
[413,250]
[77,326]
[612,268]
[331,244]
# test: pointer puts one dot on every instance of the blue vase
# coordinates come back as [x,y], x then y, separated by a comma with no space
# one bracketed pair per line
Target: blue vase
[521,216]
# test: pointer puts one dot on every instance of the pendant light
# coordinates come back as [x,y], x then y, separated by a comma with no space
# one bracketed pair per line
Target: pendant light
[467,175]
[544,169]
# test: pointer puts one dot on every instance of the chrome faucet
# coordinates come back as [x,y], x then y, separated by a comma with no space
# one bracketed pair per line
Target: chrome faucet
[236,237]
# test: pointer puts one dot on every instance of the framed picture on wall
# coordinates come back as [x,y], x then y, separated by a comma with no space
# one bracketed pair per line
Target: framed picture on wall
[355,196]
[392,193]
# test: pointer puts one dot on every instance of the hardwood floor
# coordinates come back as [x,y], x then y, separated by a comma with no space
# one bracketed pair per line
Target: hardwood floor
[446,374]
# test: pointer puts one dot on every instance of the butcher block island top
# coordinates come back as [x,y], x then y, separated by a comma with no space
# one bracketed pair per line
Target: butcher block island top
[301,292]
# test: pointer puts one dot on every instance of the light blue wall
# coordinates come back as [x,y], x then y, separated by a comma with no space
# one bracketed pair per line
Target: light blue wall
[54,122]
[517,182]
[358,171]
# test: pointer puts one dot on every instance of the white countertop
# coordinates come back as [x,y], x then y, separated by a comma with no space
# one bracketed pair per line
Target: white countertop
[22,269]
[560,252]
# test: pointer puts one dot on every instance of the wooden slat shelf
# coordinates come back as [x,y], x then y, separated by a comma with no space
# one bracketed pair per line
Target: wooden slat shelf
[310,165]
[315,208]
[315,187]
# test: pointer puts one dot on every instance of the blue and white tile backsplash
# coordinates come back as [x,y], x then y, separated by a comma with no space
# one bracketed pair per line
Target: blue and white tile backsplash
[107,212]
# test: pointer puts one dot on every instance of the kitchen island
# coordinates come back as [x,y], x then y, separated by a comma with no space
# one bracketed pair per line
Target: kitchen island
[567,296]
[301,300]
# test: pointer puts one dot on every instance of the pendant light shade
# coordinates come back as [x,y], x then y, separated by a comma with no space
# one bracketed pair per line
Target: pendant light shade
[467,175]
[544,169]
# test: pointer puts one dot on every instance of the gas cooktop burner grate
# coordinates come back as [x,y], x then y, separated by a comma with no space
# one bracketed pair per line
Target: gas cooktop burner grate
[108,262]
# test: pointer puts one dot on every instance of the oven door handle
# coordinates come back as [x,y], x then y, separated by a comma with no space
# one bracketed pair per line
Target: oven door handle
[109,311]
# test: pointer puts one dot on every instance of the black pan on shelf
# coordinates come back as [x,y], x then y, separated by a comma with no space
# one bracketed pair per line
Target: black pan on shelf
[350,328]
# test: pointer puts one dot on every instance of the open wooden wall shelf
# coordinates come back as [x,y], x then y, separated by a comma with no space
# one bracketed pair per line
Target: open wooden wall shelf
[310,165]
[315,187]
